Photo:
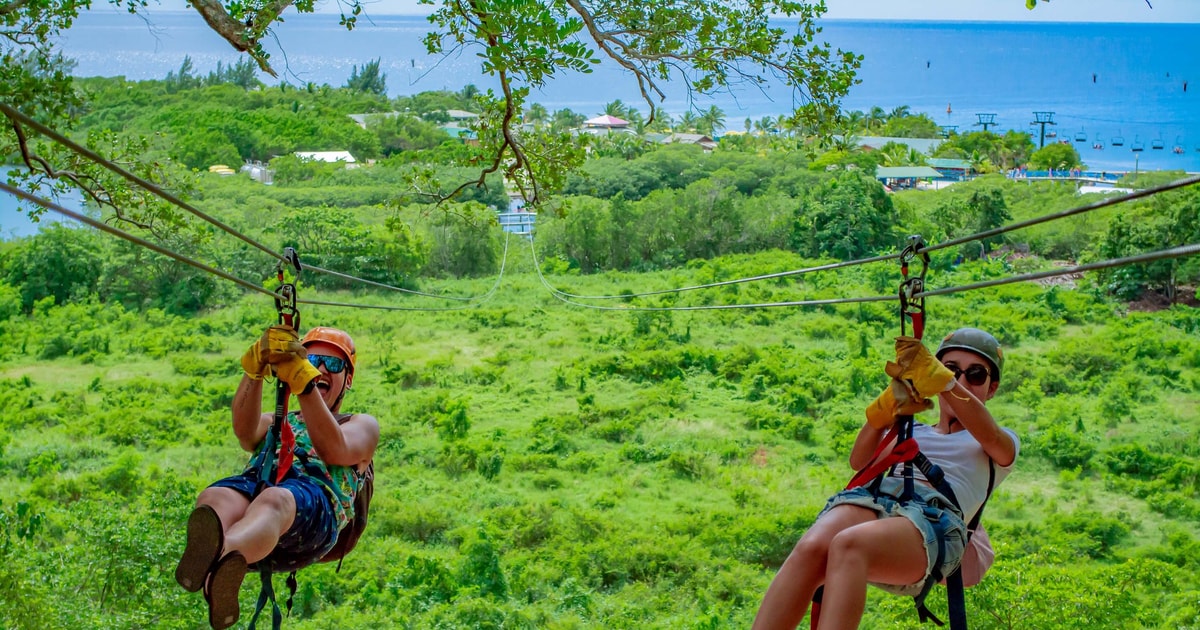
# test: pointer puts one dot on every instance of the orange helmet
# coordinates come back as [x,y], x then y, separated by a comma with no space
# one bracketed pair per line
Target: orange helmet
[338,338]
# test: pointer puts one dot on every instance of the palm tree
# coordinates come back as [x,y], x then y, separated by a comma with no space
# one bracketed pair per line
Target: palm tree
[895,154]
[687,122]
[903,111]
[662,122]
[854,121]
[635,119]
[876,118]
[565,119]
[766,125]
[616,108]
[713,119]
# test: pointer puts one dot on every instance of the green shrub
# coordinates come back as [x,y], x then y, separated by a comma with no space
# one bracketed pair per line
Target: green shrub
[1100,534]
[1064,448]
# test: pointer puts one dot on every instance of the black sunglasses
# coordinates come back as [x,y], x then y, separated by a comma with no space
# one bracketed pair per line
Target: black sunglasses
[332,364]
[976,374]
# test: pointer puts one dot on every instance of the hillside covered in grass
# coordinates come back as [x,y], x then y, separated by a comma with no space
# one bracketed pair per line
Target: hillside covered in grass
[549,466]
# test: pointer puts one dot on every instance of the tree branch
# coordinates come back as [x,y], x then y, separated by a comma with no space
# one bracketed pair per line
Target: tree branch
[86,184]
[242,35]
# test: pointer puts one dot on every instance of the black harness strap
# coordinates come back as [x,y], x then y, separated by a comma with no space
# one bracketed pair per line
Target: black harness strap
[955,596]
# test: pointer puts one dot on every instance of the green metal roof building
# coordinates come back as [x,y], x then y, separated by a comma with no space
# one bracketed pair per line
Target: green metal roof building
[884,173]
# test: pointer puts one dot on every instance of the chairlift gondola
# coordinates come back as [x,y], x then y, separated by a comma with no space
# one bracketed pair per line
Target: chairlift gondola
[1081,136]
[1117,140]
[1157,143]
[1138,146]
[1178,148]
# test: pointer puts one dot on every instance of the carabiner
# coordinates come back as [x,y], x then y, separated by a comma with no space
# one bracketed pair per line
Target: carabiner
[285,295]
[913,307]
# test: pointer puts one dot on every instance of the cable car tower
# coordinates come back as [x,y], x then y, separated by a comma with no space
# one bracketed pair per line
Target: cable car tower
[1043,119]
[985,120]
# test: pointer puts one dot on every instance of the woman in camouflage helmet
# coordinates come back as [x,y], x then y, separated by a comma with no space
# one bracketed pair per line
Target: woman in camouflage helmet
[863,538]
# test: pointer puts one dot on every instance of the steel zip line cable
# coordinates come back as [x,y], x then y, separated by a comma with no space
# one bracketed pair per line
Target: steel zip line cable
[1181,183]
[723,283]
[1112,201]
[104,227]
[1173,252]
[49,205]
[710,307]
[476,301]
[307,267]
[17,117]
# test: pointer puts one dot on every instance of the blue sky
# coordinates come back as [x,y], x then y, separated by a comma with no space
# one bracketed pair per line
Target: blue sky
[987,10]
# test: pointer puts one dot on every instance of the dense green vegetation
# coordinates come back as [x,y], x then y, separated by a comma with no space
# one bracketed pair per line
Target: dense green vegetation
[549,466]
[545,466]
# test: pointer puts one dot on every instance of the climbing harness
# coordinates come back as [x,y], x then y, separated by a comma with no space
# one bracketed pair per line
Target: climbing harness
[906,451]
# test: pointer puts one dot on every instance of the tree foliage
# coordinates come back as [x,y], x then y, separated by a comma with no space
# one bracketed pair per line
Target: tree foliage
[1057,156]
[369,79]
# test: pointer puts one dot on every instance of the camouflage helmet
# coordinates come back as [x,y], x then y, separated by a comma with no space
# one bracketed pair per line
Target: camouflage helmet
[977,341]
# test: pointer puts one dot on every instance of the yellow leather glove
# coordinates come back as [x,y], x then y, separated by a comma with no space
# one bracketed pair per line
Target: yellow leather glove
[917,366]
[896,400]
[296,371]
[276,343]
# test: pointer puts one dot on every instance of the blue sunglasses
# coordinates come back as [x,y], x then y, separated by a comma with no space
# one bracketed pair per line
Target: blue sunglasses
[333,365]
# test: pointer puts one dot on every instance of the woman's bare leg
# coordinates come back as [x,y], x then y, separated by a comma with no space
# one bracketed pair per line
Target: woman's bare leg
[787,598]
[889,551]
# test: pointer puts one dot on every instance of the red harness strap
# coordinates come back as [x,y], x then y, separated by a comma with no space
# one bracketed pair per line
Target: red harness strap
[905,451]
[287,444]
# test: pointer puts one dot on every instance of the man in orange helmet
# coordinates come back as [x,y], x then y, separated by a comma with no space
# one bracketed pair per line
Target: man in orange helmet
[236,523]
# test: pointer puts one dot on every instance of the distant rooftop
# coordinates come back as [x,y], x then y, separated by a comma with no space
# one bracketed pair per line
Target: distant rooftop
[605,121]
[949,163]
[922,145]
[906,172]
[361,119]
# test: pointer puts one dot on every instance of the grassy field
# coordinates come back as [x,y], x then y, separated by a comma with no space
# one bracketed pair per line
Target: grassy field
[550,466]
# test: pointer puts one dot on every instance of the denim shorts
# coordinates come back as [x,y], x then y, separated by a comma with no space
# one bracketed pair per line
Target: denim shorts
[313,531]
[927,504]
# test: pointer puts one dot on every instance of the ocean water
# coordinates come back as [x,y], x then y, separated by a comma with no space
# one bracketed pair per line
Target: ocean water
[1101,80]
